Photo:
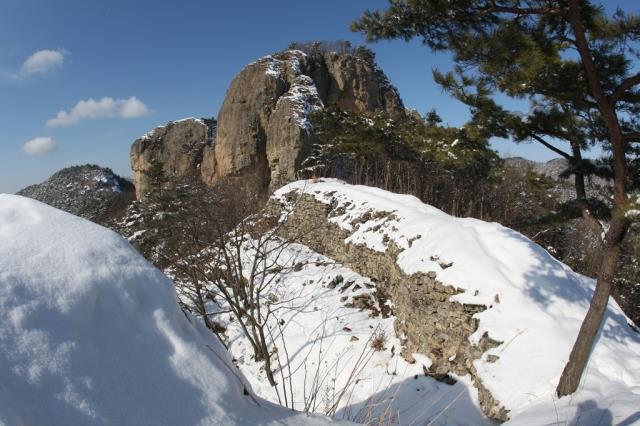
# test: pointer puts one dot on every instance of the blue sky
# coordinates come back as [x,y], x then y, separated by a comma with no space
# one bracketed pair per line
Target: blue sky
[156,61]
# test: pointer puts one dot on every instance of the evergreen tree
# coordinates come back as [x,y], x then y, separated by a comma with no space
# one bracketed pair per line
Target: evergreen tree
[567,53]
[552,120]
[157,179]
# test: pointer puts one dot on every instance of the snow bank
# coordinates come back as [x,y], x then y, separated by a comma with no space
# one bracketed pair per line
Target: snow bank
[536,303]
[90,333]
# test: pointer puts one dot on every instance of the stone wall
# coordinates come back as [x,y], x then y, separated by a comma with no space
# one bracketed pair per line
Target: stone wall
[427,321]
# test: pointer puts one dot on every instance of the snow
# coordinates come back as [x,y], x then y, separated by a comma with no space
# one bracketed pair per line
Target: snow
[329,350]
[91,333]
[136,235]
[535,303]
[272,67]
[303,99]
[197,120]
[150,133]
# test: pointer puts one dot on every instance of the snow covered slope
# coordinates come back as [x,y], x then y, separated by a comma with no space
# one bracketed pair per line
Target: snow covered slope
[327,357]
[90,333]
[536,304]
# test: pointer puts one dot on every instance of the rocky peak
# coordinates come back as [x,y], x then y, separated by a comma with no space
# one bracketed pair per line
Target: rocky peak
[93,192]
[178,146]
[263,130]
[264,126]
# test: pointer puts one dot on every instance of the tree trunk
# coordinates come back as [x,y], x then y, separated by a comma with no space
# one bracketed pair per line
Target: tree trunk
[581,351]
[267,356]
[581,193]
[579,356]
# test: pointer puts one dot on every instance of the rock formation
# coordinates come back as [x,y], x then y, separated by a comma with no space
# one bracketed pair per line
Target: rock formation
[89,191]
[178,146]
[263,126]
[427,321]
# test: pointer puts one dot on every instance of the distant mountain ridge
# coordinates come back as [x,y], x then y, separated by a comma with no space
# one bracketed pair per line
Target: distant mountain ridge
[552,168]
[90,191]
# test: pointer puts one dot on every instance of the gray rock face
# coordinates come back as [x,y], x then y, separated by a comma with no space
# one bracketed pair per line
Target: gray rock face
[178,146]
[264,129]
[89,191]
[427,321]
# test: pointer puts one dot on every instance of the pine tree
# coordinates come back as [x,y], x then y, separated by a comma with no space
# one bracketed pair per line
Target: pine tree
[567,52]
[157,179]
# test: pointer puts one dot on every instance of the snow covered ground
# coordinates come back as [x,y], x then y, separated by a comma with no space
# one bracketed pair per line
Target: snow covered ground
[325,356]
[90,333]
[536,308]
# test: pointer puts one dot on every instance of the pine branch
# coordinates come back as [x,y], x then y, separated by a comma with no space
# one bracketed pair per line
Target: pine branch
[521,11]
[632,137]
[551,147]
[623,87]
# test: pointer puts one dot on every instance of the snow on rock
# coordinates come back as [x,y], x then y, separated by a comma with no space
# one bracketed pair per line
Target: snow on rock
[303,99]
[535,303]
[90,333]
[193,119]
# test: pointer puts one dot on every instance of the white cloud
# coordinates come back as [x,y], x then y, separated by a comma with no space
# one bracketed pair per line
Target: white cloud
[43,61]
[39,146]
[103,108]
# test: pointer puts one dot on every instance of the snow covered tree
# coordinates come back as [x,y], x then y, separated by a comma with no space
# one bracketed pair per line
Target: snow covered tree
[567,51]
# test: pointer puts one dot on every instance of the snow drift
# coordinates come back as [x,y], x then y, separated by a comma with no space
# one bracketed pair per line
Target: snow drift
[535,303]
[90,333]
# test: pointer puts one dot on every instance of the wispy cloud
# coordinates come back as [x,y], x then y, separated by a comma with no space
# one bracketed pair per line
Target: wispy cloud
[42,62]
[37,64]
[103,108]
[39,146]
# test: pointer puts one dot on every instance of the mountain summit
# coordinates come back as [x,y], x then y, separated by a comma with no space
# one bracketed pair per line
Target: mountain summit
[263,129]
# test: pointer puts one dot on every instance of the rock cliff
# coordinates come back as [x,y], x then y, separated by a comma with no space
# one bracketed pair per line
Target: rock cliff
[178,146]
[263,128]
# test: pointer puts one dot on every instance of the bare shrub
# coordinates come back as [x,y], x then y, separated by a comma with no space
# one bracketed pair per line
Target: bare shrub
[378,340]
